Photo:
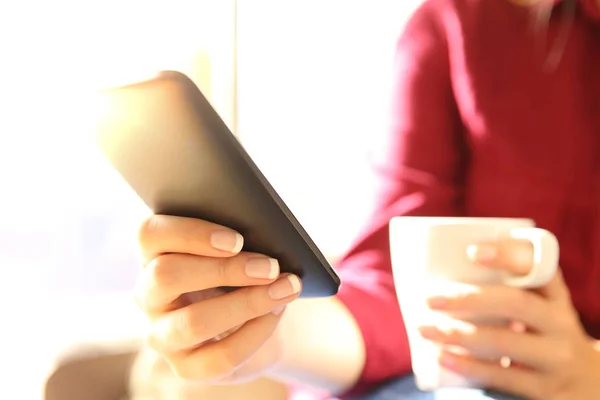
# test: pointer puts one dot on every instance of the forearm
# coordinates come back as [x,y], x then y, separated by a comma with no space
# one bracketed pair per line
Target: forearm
[322,345]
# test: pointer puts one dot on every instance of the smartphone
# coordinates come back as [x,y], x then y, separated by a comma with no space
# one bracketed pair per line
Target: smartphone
[169,144]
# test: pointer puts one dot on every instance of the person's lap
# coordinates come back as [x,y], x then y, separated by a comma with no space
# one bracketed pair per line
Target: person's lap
[405,389]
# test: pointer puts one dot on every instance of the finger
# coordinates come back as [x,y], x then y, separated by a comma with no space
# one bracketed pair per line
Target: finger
[260,363]
[160,234]
[196,323]
[514,381]
[511,255]
[498,302]
[515,256]
[556,289]
[168,276]
[218,360]
[493,343]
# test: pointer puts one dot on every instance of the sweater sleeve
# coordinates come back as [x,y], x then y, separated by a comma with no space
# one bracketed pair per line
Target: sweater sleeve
[419,171]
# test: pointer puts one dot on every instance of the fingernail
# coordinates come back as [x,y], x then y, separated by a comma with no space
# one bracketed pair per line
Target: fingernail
[484,252]
[284,287]
[447,360]
[262,268]
[227,241]
[277,312]
[522,258]
[437,302]
[427,332]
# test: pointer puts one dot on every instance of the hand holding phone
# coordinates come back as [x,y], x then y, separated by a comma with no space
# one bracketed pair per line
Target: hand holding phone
[204,332]
[166,140]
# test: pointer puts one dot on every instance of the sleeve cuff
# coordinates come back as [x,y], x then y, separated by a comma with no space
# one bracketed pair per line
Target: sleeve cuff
[373,303]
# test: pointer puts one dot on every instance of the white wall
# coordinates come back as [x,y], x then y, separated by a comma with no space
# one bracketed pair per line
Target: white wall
[313,86]
[313,79]
[67,222]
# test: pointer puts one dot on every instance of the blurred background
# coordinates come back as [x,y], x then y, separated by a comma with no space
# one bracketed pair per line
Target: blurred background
[302,83]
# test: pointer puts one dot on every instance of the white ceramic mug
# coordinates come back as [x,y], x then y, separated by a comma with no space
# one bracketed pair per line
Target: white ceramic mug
[429,256]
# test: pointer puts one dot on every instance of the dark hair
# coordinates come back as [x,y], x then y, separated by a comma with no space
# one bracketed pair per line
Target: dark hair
[543,11]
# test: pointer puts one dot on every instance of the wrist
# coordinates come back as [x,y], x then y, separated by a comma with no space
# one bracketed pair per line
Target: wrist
[324,351]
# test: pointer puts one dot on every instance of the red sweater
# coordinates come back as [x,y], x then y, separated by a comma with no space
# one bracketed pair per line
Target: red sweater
[481,128]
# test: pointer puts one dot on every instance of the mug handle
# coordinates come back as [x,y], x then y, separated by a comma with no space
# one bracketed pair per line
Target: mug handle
[545,258]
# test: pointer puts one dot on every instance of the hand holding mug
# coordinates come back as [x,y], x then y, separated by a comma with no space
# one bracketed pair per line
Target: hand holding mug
[551,357]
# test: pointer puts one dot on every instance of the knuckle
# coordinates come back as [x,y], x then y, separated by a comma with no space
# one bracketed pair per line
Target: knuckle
[453,337]
[231,270]
[191,326]
[253,303]
[222,270]
[149,228]
[462,299]
[517,302]
[469,300]
[163,270]
[501,342]
[230,309]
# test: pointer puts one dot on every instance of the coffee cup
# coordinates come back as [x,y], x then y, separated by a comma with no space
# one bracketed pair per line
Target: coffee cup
[429,257]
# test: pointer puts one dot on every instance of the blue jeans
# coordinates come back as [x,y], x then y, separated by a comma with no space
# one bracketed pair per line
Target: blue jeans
[405,389]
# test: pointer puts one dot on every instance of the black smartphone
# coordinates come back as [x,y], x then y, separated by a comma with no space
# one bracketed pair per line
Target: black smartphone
[170,145]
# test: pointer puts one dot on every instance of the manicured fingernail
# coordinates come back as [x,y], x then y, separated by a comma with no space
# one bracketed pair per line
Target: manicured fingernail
[285,287]
[437,302]
[447,360]
[277,312]
[227,241]
[522,258]
[262,268]
[428,332]
[482,253]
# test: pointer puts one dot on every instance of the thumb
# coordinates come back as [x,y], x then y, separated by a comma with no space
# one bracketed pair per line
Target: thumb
[511,255]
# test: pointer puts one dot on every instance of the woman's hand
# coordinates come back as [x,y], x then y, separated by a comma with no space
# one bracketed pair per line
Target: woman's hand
[551,356]
[204,332]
